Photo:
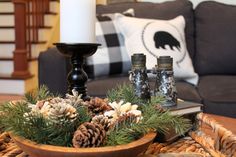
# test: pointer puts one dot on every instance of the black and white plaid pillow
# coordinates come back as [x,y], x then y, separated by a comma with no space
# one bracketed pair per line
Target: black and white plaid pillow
[111,58]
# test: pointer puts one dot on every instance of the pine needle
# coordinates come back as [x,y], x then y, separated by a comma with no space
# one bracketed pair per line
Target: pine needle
[36,127]
[45,131]
[124,92]
[36,95]
[152,118]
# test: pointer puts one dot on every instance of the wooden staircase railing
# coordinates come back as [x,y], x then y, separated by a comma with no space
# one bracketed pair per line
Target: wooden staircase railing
[29,17]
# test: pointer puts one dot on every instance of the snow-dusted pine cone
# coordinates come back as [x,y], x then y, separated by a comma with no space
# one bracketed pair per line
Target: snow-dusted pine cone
[62,111]
[56,109]
[74,99]
[103,120]
[89,135]
[98,106]
[121,109]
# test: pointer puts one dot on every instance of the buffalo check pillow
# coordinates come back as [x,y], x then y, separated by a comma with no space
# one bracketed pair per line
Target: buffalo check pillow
[111,58]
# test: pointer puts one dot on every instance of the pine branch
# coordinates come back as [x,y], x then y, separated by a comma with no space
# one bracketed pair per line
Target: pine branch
[37,128]
[153,120]
[11,115]
[40,94]
[84,114]
[124,92]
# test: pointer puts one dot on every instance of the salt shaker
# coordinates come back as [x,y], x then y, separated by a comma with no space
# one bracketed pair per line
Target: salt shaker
[138,76]
[165,82]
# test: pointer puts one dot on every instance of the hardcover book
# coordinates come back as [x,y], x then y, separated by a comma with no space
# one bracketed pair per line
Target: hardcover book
[185,107]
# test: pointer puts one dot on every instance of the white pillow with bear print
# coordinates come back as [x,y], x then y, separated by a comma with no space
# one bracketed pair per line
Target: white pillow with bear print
[158,38]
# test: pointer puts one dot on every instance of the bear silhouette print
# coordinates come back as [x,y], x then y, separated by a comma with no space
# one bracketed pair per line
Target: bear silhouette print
[163,38]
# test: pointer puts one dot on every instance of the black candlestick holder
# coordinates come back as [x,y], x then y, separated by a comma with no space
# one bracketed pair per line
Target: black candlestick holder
[77,77]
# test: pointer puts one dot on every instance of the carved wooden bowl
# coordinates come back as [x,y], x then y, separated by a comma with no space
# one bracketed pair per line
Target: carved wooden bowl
[128,150]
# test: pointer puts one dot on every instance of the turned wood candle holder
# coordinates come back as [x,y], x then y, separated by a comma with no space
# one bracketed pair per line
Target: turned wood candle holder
[77,77]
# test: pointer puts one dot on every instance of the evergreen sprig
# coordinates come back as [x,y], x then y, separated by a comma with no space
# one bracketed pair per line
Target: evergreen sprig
[123,92]
[37,128]
[11,115]
[36,95]
[152,118]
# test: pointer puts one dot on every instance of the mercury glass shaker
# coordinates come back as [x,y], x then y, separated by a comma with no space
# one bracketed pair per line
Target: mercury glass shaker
[138,76]
[165,82]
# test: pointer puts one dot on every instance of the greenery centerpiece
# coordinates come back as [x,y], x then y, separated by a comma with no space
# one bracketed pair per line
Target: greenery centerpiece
[71,122]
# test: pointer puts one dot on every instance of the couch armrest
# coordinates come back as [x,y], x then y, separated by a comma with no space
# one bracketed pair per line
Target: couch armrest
[53,70]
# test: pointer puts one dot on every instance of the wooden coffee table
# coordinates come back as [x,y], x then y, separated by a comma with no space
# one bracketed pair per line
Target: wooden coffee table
[226,122]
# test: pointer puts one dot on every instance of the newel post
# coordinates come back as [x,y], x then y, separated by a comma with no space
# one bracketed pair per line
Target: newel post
[20,52]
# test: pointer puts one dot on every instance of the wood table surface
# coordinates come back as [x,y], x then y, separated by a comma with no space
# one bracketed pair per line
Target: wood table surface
[7,97]
[226,122]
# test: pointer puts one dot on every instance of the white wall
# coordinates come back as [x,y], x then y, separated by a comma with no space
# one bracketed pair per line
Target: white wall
[195,2]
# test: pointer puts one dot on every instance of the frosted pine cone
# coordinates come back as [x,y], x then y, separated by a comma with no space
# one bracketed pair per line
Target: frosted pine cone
[56,109]
[120,109]
[104,121]
[98,106]
[74,99]
[62,111]
[89,135]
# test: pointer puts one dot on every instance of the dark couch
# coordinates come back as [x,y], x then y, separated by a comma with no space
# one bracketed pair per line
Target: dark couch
[211,41]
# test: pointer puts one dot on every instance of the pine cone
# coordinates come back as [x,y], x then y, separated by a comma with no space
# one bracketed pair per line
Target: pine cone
[62,110]
[159,108]
[56,109]
[104,121]
[74,99]
[98,106]
[126,119]
[89,135]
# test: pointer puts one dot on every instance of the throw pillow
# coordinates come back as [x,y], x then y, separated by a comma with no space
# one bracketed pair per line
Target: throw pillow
[158,38]
[111,58]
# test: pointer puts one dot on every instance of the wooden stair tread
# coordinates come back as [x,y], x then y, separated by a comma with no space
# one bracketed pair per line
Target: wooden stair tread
[11,0]
[11,59]
[5,1]
[9,77]
[6,13]
[12,42]
[12,27]
[12,13]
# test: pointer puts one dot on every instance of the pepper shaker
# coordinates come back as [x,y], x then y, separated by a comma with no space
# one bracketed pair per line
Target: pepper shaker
[138,76]
[165,82]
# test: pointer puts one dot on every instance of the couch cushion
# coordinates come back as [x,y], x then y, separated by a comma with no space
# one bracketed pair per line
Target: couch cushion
[100,87]
[188,92]
[165,11]
[53,70]
[215,38]
[218,94]
[218,88]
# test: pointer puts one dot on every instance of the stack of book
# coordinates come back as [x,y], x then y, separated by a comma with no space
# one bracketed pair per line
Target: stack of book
[186,109]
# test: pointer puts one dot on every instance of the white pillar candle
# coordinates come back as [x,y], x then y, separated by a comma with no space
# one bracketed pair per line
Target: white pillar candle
[77,21]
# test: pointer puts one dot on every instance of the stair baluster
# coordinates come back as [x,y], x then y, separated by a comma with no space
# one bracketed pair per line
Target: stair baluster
[29,17]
